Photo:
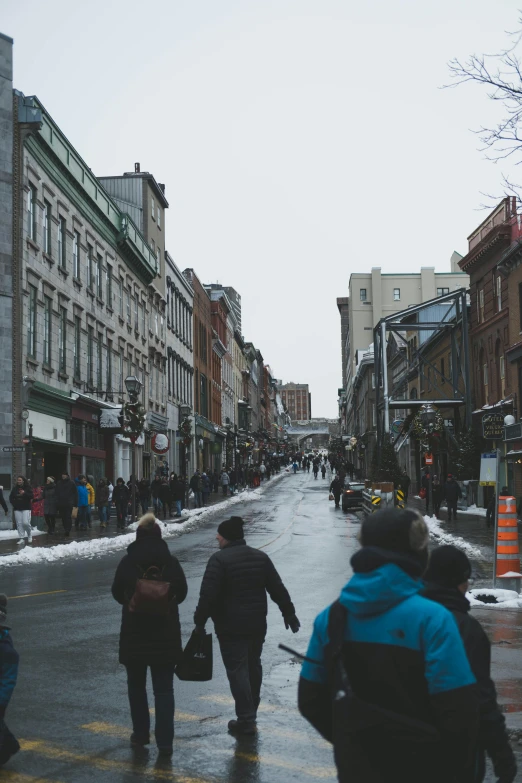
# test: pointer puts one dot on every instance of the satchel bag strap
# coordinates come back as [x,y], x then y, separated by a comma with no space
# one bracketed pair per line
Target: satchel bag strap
[145,571]
[337,618]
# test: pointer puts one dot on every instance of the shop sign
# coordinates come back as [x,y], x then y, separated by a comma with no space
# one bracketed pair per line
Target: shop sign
[493,426]
[488,470]
[159,443]
[109,419]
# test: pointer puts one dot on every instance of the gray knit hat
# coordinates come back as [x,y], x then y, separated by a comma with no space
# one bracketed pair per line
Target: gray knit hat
[3,608]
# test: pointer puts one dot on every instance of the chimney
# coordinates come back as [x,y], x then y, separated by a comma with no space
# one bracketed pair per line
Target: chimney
[162,186]
[136,168]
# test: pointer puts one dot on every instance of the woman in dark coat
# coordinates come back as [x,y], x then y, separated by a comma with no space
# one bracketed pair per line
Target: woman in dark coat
[150,639]
[120,498]
[49,498]
[165,496]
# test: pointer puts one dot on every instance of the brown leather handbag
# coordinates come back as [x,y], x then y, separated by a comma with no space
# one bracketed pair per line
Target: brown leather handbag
[151,595]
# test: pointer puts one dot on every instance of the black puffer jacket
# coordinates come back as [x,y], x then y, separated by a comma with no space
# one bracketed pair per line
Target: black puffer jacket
[149,639]
[66,493]
[493,737]
[20,497]
[120,495]
[234,588]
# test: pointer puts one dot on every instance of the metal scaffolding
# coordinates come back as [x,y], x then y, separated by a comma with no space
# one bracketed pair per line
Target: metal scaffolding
[389,395]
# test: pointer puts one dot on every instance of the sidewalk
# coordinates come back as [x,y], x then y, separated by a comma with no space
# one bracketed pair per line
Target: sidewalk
[8,546]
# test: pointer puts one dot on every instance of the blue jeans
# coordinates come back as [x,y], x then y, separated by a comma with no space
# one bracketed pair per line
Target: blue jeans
[198,499]
[178,507]
[163,687]
[102,513]
[82,517]
[156,503]
[144,503]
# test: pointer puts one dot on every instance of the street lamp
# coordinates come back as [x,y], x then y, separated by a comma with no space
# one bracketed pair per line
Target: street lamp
[428,416]
[133,386]
[185,412]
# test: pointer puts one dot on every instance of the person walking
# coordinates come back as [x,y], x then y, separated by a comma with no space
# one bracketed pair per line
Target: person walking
[336,489]
[323,470]
[294,467]
[425,484]
[225,481]
[233,481]
[262,470]
[165,497]
[150,640]
[102,501]
[120,496]
[20,498]
[215,481]
[233,593]
[144,494]
[412,714]
[316,470]
[49,498]
[177,489]
[447,582]
[66,499]
[436,494]
[83,504]
[452,493]
[91,498]
[196,486]
[9,660]
[155,492]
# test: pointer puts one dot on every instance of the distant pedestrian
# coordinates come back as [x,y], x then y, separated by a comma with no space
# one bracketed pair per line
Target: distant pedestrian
[436,495]
[262,470]
[425,484]
[215,481]
[414,712]
[166,497]
[233,593]
[149,639]
[155,492]
[452,493]
[233,481]
[336,489]
[20,498]
[177,489]
[207,488]
[196,486]
[49,498]
[120,497]
[316,469]
[225,481]
[144,494]
[102,502]
[447,581]
[66,499]
[8,675]
[83,503]
[323,470]
[91,499]
[294,467]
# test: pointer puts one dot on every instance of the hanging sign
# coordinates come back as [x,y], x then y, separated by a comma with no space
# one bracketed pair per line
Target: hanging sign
[488,469]
[493,426]
[159,443]
[428,459]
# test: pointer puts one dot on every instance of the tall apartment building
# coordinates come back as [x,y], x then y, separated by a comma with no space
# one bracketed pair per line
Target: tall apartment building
[233,297]
[297,399]
[343,305]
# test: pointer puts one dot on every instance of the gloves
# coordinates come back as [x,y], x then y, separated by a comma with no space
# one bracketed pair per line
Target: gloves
[292,623]
[504,764]
[199,630]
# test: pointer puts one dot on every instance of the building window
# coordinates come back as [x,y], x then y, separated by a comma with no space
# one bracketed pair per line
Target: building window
[90,351]
[62,243]
[143,320]
[48,309]
[153,208]
[108,285]
[120,298]
[128,300]
[485,379]
[62,341]
[77,346]
[158,214]
[31,213]
[396,294]
[76,255]
[203,396]
[499,294]
[90,270]
[136,316]
[99,362]
[120,373]
[362,294]
[481,305]
[442,291]
[99,283]
[108,367]
[31,322]
[47,228]
[151,380]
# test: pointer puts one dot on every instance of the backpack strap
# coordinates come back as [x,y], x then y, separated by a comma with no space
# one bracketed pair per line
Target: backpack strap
[337,674]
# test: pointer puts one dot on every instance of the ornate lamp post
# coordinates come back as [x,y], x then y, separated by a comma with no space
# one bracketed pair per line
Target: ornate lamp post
[428,416]
[186,433]
[134,420]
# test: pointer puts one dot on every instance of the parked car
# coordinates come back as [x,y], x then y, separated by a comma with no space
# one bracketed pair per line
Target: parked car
[352,495]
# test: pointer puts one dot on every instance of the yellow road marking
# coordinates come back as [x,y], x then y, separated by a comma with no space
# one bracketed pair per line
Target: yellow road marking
[275,761]
[228,700]
[16,777]
[32,595]
[42,748]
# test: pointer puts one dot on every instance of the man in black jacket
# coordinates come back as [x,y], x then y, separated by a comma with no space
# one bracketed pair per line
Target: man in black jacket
[66,496]
[452,493]
[447,582]
[233,594]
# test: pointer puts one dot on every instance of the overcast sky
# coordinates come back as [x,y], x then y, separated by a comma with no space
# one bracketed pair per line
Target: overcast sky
[299,140]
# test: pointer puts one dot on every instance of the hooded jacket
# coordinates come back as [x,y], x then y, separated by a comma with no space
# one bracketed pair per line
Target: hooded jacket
[493,738]
[402,653]
[21,501]
[8,669]
[145,638]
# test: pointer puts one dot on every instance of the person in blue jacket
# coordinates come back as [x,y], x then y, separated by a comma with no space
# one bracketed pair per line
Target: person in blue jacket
[8,674]
[83,502]
[411,712]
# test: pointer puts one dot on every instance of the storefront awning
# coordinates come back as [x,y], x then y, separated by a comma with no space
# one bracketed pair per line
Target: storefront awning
[56,443]
[514,454]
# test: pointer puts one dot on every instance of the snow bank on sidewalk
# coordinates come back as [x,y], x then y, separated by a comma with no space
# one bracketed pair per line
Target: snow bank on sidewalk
[101,546]
[476,511]
[440,535]
[496,598]
[5,535]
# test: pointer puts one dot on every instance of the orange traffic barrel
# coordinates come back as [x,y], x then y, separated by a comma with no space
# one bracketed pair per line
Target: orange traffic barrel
[508,555]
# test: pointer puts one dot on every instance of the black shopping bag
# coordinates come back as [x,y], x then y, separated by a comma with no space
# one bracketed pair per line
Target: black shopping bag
[196,664]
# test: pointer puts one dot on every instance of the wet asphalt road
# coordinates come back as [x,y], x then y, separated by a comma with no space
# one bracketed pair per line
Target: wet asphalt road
[70,708]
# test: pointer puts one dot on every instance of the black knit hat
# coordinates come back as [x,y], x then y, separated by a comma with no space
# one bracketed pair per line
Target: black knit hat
[394,529]
[448,567]
[231,529]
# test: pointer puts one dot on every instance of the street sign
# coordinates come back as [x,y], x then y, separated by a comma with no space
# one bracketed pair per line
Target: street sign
[13,448]
[428,459]
[488,470]
[493,426]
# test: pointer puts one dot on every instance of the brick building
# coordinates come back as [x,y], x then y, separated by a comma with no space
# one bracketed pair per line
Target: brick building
[297,399]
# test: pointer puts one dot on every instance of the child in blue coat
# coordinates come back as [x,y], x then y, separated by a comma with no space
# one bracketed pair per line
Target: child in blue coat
[8,674]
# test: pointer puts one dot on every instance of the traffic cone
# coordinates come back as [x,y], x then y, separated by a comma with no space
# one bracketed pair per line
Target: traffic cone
[508,555]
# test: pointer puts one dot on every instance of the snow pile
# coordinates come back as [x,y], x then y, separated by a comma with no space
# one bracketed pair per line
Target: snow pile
[7,534]
[494,598]
[442,537]
[475,510]
[101,546]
